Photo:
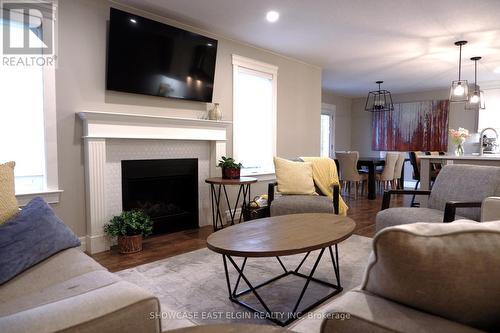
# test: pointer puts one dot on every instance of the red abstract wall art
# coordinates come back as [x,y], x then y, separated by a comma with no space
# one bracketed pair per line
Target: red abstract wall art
[417,126]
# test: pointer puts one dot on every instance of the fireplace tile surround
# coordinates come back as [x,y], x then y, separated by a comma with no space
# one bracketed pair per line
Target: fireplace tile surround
[110,138]
[118,150]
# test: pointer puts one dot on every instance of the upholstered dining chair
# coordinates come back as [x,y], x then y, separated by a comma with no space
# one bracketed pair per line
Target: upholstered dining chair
[398,169]
[386,176]
[435,166]
[457,193]
[349,175]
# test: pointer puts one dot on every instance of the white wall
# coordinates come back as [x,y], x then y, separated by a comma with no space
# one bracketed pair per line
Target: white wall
[342,119]
[80,84]
[361,133]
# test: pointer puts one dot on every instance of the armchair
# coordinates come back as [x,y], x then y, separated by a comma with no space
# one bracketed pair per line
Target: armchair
[458,193]
[296,204]
[426,277]
[490,209]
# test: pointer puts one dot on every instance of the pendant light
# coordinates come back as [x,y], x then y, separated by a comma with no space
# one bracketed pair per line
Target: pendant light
[476,97]
[379,100]
[459,89]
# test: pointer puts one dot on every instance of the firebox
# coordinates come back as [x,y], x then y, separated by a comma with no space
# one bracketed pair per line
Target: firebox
[166,190]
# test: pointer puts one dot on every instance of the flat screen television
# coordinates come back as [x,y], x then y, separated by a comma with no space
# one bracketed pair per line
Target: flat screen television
[152,58]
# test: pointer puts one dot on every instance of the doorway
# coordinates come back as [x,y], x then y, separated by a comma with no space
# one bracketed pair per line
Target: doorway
[327,143]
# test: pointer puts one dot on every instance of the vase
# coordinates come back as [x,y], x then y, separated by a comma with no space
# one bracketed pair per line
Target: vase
[459,150]
[215,113]
[129,244]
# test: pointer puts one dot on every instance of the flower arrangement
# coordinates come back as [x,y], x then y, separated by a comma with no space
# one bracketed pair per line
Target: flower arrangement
[458,138]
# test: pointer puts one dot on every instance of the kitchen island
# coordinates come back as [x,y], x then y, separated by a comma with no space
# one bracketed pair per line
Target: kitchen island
[427,160]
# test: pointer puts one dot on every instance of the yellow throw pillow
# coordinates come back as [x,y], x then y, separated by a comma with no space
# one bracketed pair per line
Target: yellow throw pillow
[8,201]
[294,177]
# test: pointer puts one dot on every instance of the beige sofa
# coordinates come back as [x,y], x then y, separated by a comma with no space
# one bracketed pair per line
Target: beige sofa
[428,277]
[70,292]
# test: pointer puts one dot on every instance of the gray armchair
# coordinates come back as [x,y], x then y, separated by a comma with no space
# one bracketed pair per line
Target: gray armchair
[298,204]
[427,277]
[457,194]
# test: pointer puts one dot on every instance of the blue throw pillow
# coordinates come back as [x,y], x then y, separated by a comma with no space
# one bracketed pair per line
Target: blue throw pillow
[32,235]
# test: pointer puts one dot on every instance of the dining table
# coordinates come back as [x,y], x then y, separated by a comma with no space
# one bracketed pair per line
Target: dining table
[371,163]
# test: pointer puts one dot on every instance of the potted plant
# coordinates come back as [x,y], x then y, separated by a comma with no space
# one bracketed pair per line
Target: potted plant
[230,169]
[130,227]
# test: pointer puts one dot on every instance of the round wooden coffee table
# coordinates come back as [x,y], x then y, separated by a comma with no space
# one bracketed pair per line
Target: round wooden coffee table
[281,236]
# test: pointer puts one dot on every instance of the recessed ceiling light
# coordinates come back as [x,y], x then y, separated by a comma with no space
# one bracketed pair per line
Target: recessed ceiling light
[133,21]
[272,16]
[497,70]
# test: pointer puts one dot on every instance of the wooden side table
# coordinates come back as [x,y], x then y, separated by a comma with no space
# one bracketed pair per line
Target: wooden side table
[217,186]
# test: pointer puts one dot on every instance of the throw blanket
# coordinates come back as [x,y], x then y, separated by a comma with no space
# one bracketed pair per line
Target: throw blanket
[325,176]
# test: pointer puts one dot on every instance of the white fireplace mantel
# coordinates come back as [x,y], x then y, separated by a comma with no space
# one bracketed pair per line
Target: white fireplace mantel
[133,126]
[101,126]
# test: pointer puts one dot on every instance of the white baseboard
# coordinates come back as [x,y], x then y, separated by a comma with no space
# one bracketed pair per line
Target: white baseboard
[96,244]
[83,243]
[236,215]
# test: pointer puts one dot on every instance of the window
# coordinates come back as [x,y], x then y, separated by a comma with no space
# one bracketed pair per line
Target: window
[22,125]
[27,121]
[490,117]
[254,115]
[325,135]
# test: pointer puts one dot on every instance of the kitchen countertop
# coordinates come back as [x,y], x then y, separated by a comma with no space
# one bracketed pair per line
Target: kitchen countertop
[485,157]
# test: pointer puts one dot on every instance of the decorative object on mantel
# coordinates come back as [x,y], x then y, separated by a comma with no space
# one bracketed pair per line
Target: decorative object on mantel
[417,126]
[230,169]
[215,113]
[458,138]
[459,91]
[130,227]
[476,96]
[379,100]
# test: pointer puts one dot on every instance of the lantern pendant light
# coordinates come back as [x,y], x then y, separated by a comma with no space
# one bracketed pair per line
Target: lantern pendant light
[475,98]
[459,89]
[379,100]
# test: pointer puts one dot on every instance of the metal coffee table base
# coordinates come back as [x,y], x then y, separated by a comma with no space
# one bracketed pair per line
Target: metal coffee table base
[297,312]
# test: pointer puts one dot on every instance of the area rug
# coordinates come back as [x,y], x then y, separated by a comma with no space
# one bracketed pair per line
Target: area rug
[193,291]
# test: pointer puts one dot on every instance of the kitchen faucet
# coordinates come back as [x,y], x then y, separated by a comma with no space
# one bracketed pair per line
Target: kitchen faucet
[481,139]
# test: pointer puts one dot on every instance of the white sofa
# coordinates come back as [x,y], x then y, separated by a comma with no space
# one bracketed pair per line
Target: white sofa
[70,292]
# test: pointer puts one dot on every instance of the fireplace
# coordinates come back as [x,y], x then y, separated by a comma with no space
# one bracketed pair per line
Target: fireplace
[166,190]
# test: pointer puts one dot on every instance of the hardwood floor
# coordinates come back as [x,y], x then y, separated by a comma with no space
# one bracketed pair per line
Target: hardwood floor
[156,248]
[361,210]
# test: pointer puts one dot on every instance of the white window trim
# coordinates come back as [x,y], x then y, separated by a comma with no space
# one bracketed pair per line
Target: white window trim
[272,70]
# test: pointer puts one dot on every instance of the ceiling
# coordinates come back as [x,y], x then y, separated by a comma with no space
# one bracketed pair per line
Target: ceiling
[406,43]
